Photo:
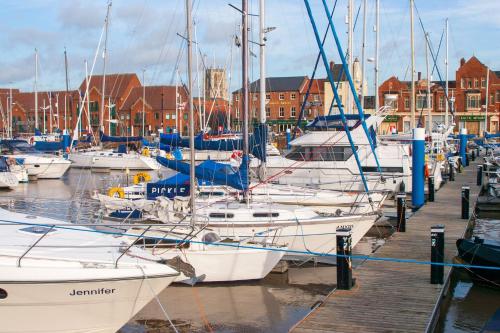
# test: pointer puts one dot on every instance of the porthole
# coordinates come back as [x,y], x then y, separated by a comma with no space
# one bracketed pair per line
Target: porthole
[3,293]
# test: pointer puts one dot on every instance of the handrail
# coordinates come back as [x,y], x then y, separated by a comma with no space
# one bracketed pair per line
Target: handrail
[33,245]
[130,246]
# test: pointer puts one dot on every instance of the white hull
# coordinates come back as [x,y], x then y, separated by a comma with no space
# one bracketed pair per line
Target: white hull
[8,180]
[114,161]
[50,307]
[203,155]
[44,166]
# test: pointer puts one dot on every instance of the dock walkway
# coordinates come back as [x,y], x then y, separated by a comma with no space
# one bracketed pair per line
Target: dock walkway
[392,296]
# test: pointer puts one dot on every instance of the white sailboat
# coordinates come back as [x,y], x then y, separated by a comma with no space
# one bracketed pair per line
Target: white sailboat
[66,278]
[114,160]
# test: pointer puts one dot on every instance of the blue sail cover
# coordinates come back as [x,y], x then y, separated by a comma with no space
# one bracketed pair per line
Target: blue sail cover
[217,173]
[255,142]
[122,139]
[177,185]
[48,146]
[162,146]
[491,135]
[4,167]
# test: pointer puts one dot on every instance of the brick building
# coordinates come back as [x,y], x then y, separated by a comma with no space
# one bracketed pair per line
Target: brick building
[467,98]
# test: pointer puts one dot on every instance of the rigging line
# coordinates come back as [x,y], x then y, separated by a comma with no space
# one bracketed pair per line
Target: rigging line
[439,48]
[304,102]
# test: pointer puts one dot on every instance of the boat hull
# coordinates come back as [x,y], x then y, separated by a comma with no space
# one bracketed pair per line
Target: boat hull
[8,180]
[113,161]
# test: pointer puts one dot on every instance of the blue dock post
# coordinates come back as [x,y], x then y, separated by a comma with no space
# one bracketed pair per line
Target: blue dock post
[418,162]
[66,142]
[463,146]
[288,139]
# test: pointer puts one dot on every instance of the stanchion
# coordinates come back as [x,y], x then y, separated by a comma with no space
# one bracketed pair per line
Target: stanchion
[451,168]
[401,212]
[473,155]
[344,265]
[465,202]
[430,189]
[479,178]
[437,253]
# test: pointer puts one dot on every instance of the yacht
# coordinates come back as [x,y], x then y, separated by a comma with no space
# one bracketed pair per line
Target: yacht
[42,166]
[113,159]
[58,277]
[7,178]
[323,158]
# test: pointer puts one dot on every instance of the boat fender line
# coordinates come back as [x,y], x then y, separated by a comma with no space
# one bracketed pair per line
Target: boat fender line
[141,177]
[116,192]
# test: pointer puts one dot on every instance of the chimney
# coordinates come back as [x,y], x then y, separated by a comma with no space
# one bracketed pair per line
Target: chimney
[419,76]
[331,66]
[462,62]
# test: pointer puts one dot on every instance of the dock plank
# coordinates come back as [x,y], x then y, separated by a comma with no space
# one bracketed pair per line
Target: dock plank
[395,296]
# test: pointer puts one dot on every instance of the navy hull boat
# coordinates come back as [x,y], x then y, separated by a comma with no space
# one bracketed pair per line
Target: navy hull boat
[480,252]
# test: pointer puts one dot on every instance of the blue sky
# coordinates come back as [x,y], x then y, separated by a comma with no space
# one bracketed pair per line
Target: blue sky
[143,34]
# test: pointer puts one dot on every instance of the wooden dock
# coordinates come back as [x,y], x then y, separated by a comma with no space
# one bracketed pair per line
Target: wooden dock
[398,297]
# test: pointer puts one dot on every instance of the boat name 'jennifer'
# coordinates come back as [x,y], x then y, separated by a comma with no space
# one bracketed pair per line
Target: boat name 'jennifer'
[101,291]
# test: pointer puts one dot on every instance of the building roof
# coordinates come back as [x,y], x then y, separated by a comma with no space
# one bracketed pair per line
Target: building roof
[153,96]
[115,83]
[26,100]
[275,84]
[497,73]
[337,71]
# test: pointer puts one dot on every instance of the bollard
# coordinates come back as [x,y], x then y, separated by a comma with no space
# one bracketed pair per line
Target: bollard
[477,153]
[473,155]
[288,137]
[401,212]
[430,188]
[418,162]
[460,164]
[465,202]
[437,253]
[463,146]
[451,167]
[467,159]
[479,178]
[344,266]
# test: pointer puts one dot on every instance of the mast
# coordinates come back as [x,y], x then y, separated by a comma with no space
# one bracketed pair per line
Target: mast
[429,106]
[10,129]
[244,68]
[67,87]
[50,112]
[143,99]
[87,96]
[363,63]
[57,111]
[377,36]
[192,179]
[446,115]
[36,89]
[412,113]
[487,99]
[350,51]
[262,88]
[104,56]
[44,122]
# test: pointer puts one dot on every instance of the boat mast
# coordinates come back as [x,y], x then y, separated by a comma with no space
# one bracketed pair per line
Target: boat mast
[363,63]
[412,113]
[262,96]
[36,89]
[487,99]
[143,99]
[67,88]
[87,96]
[244,67]
[377,36]
[104,56]
[350,51]
[446,115]
[429,106]
[192,179]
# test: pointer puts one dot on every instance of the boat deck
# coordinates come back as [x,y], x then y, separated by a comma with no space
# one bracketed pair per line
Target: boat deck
[395,296]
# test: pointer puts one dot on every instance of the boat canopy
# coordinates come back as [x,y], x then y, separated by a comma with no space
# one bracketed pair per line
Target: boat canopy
[214,172]
[17,146]
[122,139]
[162,146]
[321,123]
[48,146]
[4,167]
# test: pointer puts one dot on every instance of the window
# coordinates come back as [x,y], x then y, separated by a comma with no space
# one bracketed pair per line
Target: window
[281,96]
[237,98]
[316,98]
[174,116]
[462,83]
[492,99]
[221,215]
[473,101]
[391,100]
[476,83]
[337,153]
[422,102]
[483,82]
[185,117]
[94,106]
[266,214]
[254,97]
[498,97]
[293,112]
[268,96]
[442,103]
[407,103]
[157,115]
[282,112]
[268,112]
[469,83]
[292,96]
[167,116]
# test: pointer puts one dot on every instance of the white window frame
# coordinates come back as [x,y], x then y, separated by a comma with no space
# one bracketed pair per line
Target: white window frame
[282,96]
[281,112]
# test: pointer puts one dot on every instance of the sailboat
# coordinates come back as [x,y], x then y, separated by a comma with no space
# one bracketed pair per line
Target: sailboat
[68,278]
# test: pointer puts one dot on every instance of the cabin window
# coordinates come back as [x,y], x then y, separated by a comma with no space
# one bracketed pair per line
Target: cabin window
[383,169]
[266,214]
[221,215]
[337,153]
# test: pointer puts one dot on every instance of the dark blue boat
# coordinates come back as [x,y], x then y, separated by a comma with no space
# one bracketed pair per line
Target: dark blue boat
[480,252]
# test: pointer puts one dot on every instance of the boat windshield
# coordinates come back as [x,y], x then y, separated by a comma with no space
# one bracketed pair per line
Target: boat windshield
[320,153]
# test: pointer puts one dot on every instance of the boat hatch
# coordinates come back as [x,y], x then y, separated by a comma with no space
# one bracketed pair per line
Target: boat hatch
[37,230]
[210,237]
[221,215]
[266,214]
[320,153]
